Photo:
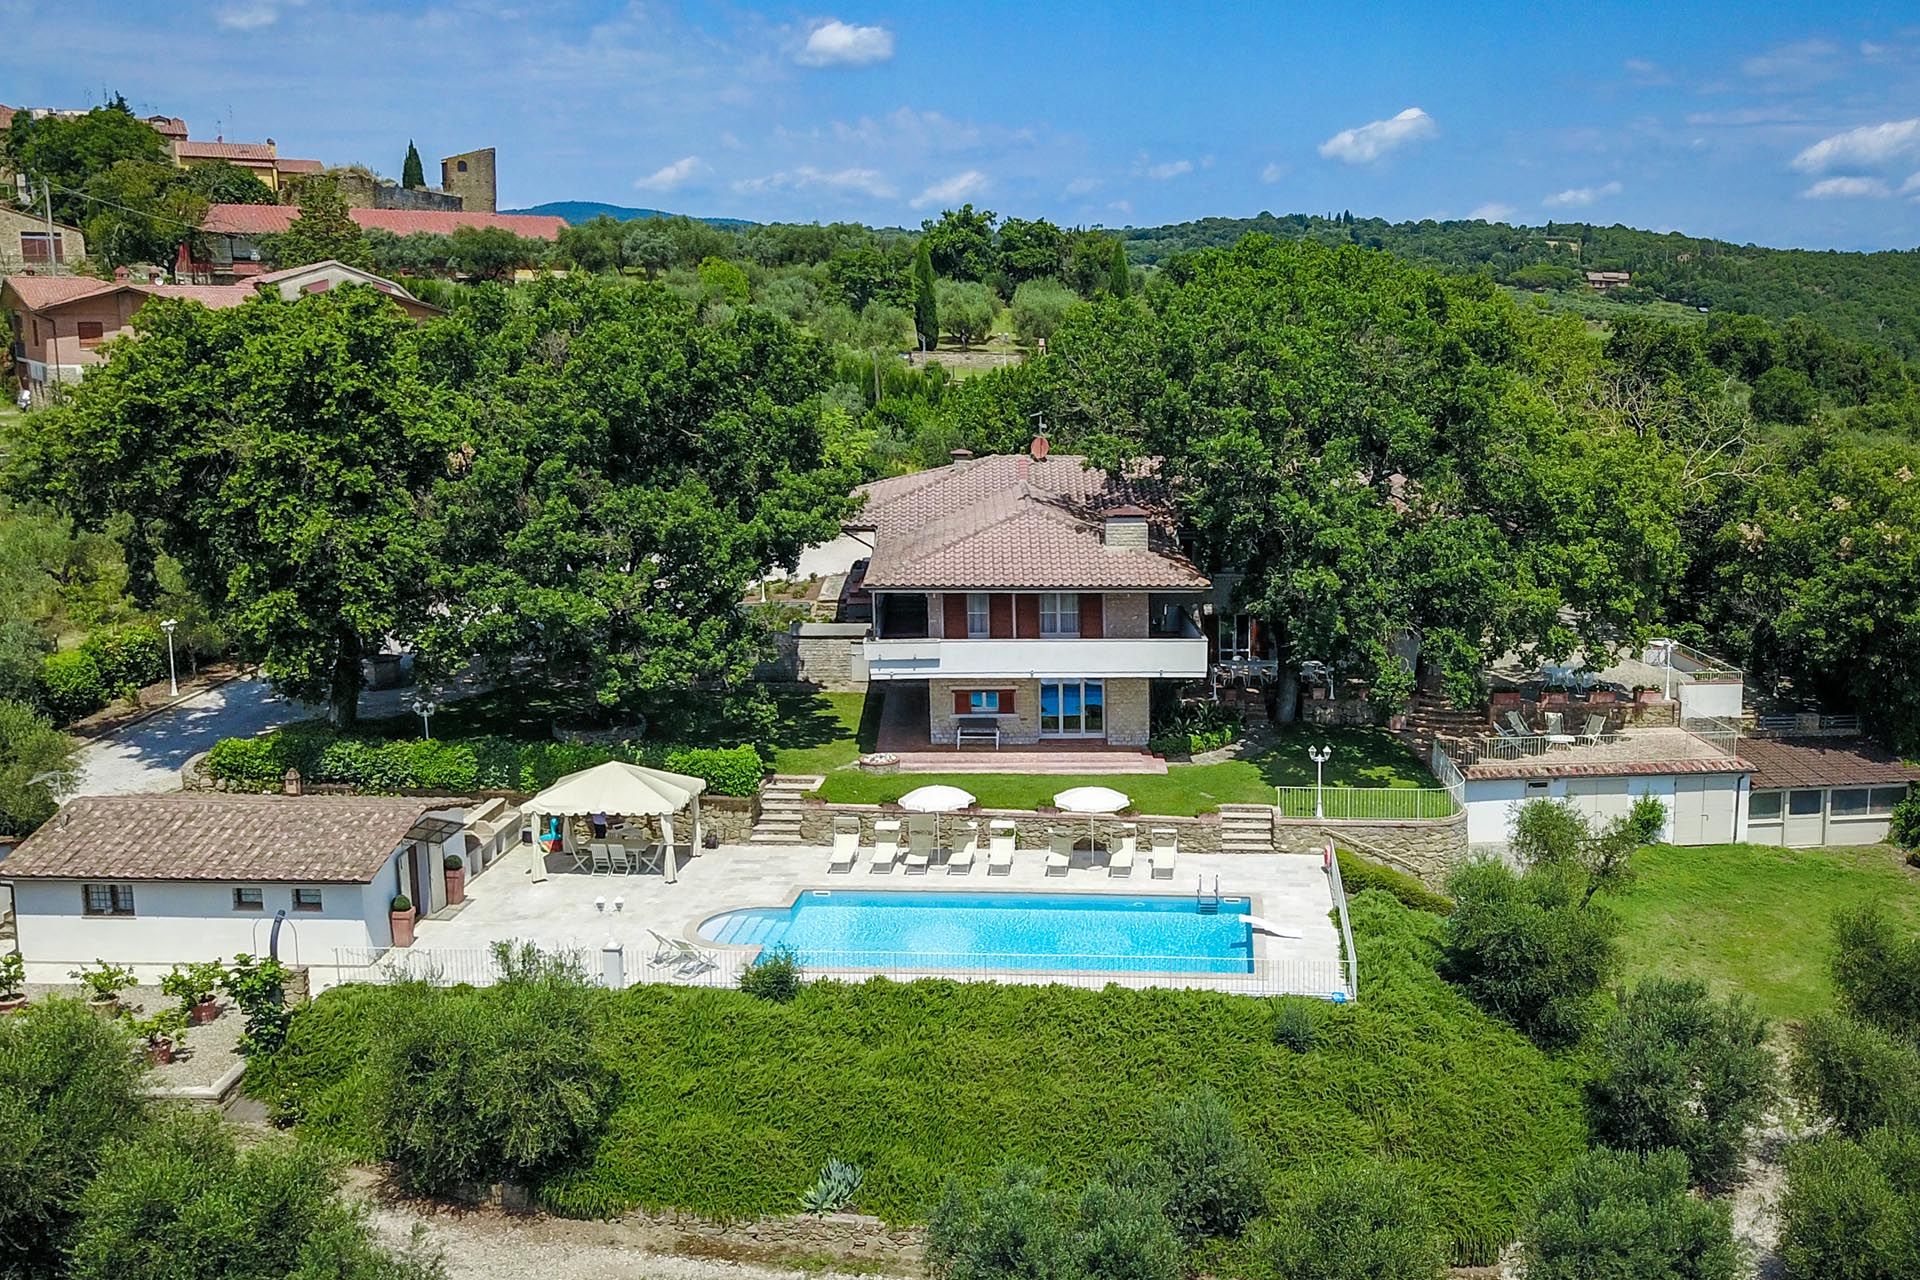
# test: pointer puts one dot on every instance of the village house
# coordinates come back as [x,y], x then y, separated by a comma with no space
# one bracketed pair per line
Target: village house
[233,231]
[26,244]
[59,323]
[262,159]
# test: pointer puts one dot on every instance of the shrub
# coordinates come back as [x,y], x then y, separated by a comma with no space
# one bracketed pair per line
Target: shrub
[1359,875]
[1852,1209]
[259,987]
[1356,1222]
[258,764]
[13,975]
[475,1085]
[401,903]
[1855,1074]
[774,975]
[728,771]
[1293,1023]
[129,654]
[70,1087]
[453,862]
[1122,1233]
[1905,829]
[834,1190]
[1616,1213]
[1525,949]
[1647,820]
[1214,1180]
[1679,1069]
[193,984]
[1189,728]
[179,1199]
[1876,970]
[103,981]
[1008,1230]
[70,685]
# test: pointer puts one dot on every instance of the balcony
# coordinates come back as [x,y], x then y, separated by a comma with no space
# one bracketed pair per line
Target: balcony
[1175,657]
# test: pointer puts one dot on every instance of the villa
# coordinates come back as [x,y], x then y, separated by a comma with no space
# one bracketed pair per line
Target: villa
[1025,600]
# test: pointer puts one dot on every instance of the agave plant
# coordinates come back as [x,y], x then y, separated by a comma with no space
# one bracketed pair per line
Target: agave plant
[839,1183]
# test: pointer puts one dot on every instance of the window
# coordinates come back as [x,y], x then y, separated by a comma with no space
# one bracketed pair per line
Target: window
[461,166]
[106,899]
[984,702]
[979,617]
[247,900]
[33,247]
[1236,638]
[306,900]
[1059,614]
[1073,708]
[91,332]
[1802,804]
[1764,807]
[1850,802]
[1884,799]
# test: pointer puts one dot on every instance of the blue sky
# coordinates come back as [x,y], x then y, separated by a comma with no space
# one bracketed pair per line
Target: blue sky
[1780,124]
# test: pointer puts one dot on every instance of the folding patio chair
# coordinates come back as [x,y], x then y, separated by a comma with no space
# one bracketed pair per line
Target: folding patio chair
[617,860]
[602,858]
[1520,726]
[1595,730]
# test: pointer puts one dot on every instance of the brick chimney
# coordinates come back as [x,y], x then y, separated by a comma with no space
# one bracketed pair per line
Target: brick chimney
[121,275]
[960,455]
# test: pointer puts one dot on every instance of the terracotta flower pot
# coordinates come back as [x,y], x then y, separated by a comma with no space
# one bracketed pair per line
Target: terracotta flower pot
[456,886]
[107,1008]
[160,1052]
[204,1012]
[402,922]
[14,1005]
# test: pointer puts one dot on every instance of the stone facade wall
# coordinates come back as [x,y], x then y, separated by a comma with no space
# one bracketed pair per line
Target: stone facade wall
[1129,712]
[1427,851]
[469,176]
[1126,615]
[1031,829]
[1022,727]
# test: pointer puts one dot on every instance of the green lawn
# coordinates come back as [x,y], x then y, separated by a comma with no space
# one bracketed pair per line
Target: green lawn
[1755,919]
[822,732]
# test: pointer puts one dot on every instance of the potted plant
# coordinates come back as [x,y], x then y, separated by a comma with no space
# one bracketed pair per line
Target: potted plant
[456,878]
[1392,691]
[194,985]
[400,918]
[104,983]
[13,982]
[163,1030]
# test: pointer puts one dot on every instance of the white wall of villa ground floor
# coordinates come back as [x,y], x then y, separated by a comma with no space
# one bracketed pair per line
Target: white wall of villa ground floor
[177,921]
[1128,707]
[1718,802]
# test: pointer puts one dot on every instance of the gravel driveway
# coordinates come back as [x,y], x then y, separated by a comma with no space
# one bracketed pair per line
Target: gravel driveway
[147,756]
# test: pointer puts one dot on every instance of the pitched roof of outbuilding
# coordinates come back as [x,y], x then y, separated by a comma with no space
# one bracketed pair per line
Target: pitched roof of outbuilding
[1011,522]
[1823,762]
[210,836]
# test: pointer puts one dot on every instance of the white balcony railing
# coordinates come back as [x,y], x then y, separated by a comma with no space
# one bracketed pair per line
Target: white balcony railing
[1156,657]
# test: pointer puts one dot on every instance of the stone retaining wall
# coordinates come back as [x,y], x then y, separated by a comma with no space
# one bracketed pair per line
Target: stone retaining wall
[1196,835]
[844,1235]
[1427,850]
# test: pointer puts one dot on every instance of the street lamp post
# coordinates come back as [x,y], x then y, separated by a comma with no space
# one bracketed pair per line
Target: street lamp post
[1319,756]
[426,708]
[173,675]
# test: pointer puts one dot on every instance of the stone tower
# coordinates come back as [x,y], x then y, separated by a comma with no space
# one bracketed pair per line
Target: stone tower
[469,175]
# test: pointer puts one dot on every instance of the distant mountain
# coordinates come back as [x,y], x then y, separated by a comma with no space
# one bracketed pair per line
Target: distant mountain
[579,211]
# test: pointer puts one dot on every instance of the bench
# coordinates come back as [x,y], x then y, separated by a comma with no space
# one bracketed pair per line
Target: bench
[976,730]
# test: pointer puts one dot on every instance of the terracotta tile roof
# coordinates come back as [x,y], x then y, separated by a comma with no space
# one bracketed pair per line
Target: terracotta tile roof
[1532,768]
[186,149]
[37,293]
[1823,762]
[269,219]
[299,166]
[1008,522]
[193,836]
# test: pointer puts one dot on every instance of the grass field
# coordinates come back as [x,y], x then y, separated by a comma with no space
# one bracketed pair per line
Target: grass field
[1755,919]
[728,1106]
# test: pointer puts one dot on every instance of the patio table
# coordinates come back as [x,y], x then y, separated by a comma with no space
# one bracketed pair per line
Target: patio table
[1560,740]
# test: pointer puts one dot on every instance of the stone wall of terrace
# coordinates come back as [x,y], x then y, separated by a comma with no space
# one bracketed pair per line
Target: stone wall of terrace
[1427,850]
[1031,828]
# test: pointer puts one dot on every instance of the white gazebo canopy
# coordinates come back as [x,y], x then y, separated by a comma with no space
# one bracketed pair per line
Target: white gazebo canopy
[618,787]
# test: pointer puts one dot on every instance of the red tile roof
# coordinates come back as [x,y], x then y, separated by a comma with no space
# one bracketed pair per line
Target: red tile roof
[38,293]
[1823,762]
[186,149]
[1008,522]
[1535,767]
[299,166]
[189,836]
[270,219]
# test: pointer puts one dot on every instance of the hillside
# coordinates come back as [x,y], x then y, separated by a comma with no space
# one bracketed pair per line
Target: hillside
[1870,296]
[579,211]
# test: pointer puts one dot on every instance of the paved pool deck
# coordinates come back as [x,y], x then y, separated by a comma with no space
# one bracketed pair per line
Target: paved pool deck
[575,910]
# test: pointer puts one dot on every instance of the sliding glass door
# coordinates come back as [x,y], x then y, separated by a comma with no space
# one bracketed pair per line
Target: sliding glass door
[1073,709]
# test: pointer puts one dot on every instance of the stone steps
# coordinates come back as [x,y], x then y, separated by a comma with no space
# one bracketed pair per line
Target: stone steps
[1246,828]
[782,802]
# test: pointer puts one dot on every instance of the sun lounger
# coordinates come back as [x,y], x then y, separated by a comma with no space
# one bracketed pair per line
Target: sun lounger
[886,846]
[1059,851]
[919,843]
[1120,853]
[1521,728]
[846,844]
[1001,837]
[601,856]
[691,960]
[1160,859]
[1595,730]
[665,950]
[960,861]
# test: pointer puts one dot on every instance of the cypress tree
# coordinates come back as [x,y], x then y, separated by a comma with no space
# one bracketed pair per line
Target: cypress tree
[412,176]
[1119,279]
[926,312]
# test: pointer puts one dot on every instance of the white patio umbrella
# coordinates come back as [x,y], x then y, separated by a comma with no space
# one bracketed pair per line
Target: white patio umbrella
[1091,801]
[618,787]
[936,800]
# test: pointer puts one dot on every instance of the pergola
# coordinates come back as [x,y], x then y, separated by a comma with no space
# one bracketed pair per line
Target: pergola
[618,787]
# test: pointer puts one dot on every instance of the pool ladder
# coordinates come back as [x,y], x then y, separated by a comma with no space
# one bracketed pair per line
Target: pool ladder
[1207,904]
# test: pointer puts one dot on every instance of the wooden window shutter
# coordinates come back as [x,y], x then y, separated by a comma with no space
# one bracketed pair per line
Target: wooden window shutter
[962,701]
[1006,702]
[953,608]
[1093,614]
[1029,611]
[1000,617]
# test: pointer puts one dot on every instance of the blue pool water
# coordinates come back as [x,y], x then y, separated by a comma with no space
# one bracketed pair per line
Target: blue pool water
[1010,931]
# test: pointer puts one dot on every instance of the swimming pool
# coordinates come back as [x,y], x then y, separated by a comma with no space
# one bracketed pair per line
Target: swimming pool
[835,928]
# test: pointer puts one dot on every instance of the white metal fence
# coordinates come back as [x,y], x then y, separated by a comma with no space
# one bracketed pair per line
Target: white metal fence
[1368,804]
[721,967]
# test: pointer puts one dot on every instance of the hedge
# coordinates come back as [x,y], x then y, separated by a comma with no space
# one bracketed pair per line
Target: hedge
[108,663]
[728,1106]
[485,763]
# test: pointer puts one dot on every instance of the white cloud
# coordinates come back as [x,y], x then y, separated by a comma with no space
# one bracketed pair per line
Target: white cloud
[1493,211]
[1369,142]
[1581,197]
[248,16]
[1164,170]
[1083,186]
[1911,184]
[863,181]
[1646,71]
[839,44]
[1122,207]
[1273,173]
[1799,62]
[911,132]
[669,176]
[1870,144]
[1846,188]
[961,186]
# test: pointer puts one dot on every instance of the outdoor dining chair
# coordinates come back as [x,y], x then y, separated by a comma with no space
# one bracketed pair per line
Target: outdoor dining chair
[602,858]
[617,860]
